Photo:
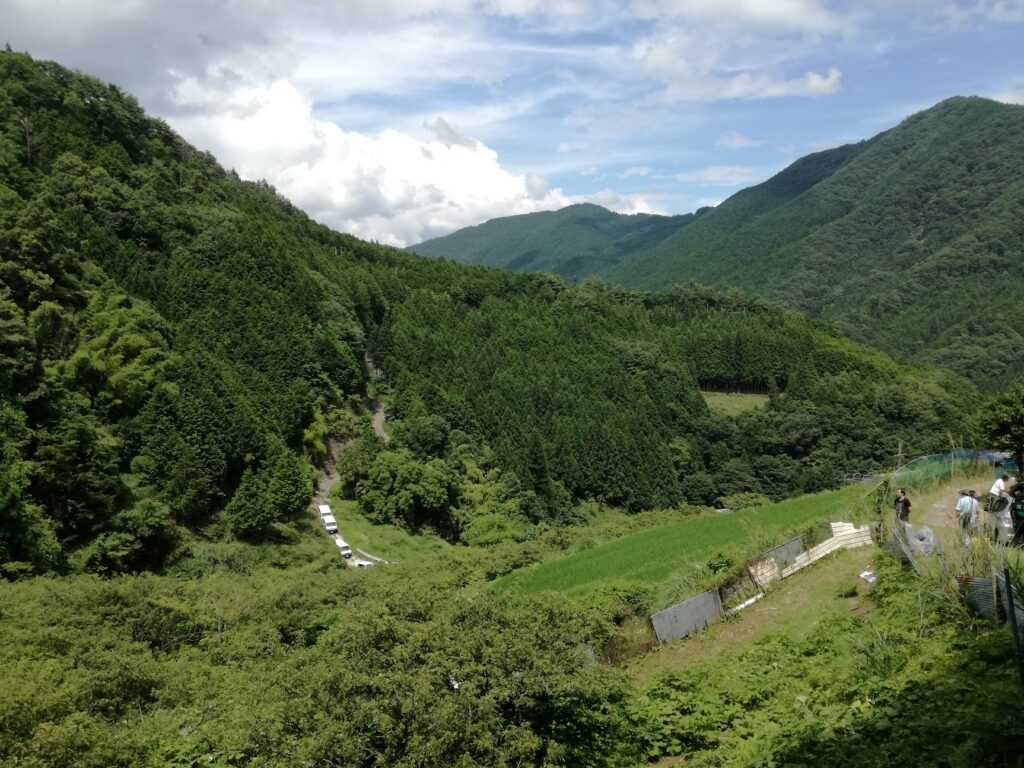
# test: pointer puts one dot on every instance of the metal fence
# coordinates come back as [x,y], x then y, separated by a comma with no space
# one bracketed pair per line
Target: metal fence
[693,615]
[785,554]
[988,598]
[688,617]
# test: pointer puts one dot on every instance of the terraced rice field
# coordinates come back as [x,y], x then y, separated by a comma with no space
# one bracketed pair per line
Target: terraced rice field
[653,556]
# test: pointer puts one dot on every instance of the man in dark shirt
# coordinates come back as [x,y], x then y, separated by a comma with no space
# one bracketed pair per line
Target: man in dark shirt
[902,505]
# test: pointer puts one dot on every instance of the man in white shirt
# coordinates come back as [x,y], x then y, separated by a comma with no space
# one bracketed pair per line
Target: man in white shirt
[998,489]
[967,508]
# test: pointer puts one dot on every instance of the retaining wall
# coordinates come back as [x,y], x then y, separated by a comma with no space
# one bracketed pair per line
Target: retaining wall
[693,615]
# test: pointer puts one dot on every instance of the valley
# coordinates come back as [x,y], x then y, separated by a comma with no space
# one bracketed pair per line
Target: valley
[186,364]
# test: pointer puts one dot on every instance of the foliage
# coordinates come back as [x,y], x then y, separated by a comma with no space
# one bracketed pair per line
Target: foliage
[1002,421]
[744,500]
[909,683]
[908,241]
[400,489]
[311,664]
[180,346]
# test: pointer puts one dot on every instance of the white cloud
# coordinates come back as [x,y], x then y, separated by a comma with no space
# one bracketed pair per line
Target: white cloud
[444,132]
[724,175]
[391,187]
[636,170]
[736,140]
[572,146]
[809,15]
[699,67]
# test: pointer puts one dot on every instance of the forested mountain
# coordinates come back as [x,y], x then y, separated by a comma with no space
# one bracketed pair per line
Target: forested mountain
[179,344]
[177,347]
[573,242]
[909,241]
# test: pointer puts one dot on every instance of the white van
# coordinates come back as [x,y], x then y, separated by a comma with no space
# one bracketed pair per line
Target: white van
[324,511]
[330,524]
[343,547]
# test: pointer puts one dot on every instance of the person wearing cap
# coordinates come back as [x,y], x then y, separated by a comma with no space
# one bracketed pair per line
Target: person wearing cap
[967,508]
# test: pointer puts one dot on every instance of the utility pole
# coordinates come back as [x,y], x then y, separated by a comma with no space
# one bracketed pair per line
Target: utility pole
[899,456]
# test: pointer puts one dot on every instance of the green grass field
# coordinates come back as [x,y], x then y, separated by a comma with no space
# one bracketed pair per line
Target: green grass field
[733,403]
[387,541]
[657,556]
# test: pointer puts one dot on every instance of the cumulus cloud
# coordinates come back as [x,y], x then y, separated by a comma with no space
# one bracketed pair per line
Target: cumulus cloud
[391,187]
[381,117]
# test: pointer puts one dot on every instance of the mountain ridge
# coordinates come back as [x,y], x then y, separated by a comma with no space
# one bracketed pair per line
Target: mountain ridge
[591,237]
[897,240]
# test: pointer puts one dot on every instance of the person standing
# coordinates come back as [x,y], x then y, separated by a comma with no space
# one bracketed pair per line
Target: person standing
[967,508]
[997,490]
[902,505]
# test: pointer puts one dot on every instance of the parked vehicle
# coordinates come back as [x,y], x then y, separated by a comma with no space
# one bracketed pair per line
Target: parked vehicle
[324,511]
[330,524]
[1000,521]
[343,547]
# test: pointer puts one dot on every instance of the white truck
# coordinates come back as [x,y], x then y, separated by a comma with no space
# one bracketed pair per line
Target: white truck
[330,524]
[324,511]
[343,547]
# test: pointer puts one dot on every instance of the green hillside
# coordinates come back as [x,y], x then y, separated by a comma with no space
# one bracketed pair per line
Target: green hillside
[179,345]
[910,241]
[179,348]
[573,242]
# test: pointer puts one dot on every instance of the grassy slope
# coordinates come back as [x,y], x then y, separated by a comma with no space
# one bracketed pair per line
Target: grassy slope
[733,403]
[387,541]
[828,670]
[791,608]
[573,242]
[655,556]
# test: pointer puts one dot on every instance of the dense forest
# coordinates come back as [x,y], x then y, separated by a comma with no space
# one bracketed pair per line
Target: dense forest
[909,241]
[180,348]
[180,344]
[574,242]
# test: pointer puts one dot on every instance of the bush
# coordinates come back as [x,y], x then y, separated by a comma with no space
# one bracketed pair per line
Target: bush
[744,500]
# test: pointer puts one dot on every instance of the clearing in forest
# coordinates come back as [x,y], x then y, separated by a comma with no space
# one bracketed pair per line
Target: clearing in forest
[733,403]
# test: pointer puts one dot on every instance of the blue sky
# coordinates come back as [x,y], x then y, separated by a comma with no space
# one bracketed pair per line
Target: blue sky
[400,121]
